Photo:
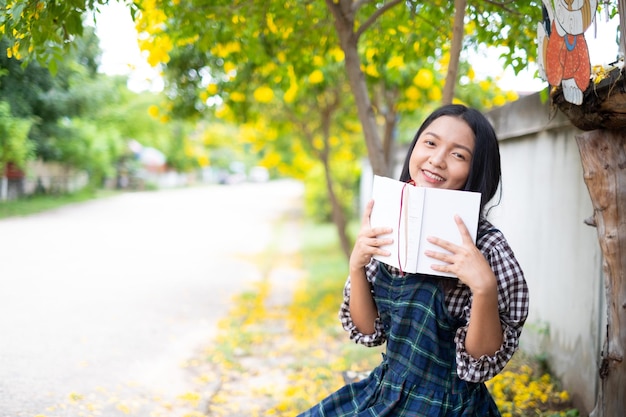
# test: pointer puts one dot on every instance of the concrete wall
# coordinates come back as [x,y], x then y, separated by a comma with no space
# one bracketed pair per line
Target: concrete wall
[544,203]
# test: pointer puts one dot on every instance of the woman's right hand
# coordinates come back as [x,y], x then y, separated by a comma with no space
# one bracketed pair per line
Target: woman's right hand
[368,243]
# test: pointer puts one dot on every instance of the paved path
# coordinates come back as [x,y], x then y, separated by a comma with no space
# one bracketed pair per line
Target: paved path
[101,302]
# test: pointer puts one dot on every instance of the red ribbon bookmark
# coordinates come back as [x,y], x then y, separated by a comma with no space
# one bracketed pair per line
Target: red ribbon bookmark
[400,220]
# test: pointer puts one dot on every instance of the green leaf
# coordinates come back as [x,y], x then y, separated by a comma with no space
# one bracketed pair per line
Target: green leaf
[16,11]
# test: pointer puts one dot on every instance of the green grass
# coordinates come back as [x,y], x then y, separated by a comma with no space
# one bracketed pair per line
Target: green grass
[40,203]
[327,270]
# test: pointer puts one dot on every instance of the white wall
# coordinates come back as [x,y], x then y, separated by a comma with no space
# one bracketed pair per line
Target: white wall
[544,204]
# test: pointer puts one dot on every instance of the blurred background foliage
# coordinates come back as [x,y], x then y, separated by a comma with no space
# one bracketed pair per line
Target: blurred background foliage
[245,84]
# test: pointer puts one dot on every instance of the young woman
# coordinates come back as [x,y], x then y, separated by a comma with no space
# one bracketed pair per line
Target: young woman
[444,336]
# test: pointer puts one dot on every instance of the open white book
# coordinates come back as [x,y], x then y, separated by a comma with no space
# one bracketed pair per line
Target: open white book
[416,213]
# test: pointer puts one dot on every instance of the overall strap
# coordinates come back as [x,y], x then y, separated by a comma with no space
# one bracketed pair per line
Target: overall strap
[486,232]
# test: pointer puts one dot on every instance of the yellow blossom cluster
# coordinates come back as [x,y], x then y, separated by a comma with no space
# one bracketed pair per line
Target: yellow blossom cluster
[519,393]
[302,349]
[153,39]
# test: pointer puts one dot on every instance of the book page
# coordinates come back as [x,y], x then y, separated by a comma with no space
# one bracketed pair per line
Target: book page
[386,213]
[440,207]
[398,205]
[414,213]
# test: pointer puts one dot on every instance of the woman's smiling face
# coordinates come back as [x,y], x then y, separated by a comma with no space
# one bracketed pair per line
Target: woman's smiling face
[443,153]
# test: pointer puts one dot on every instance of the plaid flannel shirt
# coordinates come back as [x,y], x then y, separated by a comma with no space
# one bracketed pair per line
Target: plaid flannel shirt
[513,303]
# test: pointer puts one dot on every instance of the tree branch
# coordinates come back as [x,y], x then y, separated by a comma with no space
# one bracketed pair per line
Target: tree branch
[503,5]
[455,51]
[379,12]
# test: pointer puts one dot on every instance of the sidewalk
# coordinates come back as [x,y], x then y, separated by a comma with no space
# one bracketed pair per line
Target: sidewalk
[247,371]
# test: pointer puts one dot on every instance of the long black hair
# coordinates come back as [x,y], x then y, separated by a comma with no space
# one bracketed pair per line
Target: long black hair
[485,171]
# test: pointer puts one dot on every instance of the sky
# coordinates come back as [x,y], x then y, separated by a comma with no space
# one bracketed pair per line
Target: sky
[120,52]
[121,55]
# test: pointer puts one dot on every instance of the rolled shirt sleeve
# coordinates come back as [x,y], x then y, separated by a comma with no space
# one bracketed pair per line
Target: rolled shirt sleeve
[513,304]
[378,337]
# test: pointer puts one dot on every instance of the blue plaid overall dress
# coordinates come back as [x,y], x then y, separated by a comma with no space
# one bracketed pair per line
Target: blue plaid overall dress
[417,376]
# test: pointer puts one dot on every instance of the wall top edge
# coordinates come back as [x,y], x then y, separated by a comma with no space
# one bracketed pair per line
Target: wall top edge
[526,116]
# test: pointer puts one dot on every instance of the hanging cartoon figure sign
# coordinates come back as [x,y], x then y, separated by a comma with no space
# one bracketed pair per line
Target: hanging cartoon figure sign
[563,56]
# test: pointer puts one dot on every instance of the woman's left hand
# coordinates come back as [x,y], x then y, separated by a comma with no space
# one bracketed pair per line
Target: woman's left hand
[465,261]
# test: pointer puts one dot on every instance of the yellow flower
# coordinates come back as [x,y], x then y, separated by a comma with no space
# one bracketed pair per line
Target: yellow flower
[471,74]
[424,78]
[14,51]
[457,100]
[499,100]
[372,71]
[290,94]
[337,54]
[370,53]
[511,96]
[153,111]
[395,62]
[229,67]
[445,60]
[316,77]
[412,93]
[212,89]
[238,19]
[74,397]
[190,397]
[434,93]
[270,23]
[263,94]
[403,29]
[237,96]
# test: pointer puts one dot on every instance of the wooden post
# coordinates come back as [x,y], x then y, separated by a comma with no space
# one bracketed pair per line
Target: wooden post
[603,155]
[621,8]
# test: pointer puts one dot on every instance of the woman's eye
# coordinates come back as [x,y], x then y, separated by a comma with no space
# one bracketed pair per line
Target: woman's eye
[459,156]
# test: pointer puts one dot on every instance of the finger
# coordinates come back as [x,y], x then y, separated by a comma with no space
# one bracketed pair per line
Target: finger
[440,256]
[465,234]
[442,268]
[380,231]
[378,242]
[365,221]
[369,248]
[381,252]
[444,244]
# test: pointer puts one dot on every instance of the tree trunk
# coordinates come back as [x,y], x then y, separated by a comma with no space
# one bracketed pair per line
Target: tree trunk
[337,213]
[344,25]
[389,137]
[603,155]
[455,51]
